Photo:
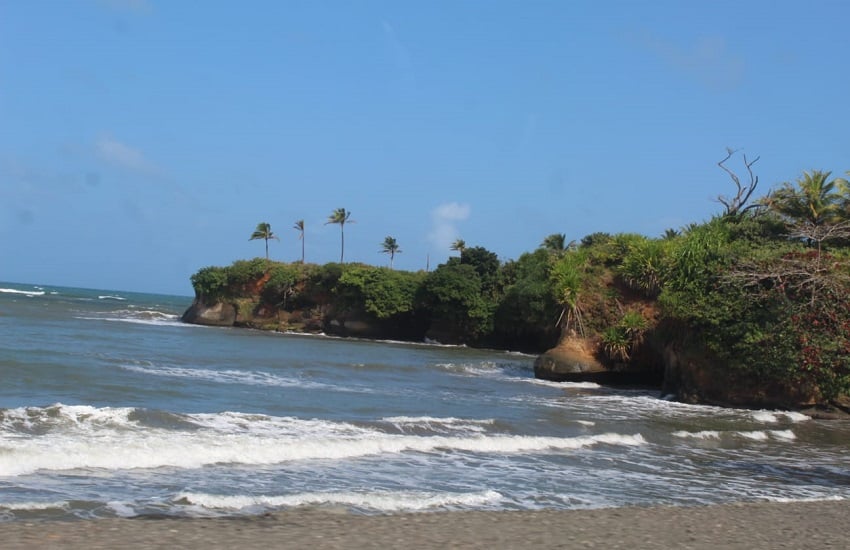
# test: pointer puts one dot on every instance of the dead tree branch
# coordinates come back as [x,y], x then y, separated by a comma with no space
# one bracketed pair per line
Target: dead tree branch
[737,204]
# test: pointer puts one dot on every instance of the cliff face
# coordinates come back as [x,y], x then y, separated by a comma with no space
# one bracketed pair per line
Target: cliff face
[693,377]
[688,375]
[250,312]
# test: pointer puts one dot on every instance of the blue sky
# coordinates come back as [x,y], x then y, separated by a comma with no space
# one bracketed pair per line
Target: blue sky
[143,139]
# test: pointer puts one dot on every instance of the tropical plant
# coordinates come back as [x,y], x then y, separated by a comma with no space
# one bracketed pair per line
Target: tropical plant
[812,199]
[645,265]
[299,226]
[264,231]
[390,246]
[458,246]
[567,277]
[340,216]
[556,242]
[669,234]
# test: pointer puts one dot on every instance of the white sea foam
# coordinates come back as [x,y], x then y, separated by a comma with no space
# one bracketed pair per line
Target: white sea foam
[23,292]
[110,297]
[382,501]
[703,434]
[252,378]
[755,435]
[562,385]
[777,416]
[825,498]
[121,509]
[140,316]
[54,505]
[440,424]
[112,439]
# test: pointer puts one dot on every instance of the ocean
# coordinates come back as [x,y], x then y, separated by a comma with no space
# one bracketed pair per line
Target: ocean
[110,406]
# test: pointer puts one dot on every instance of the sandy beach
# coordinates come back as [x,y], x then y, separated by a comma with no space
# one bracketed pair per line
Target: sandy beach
[746,526]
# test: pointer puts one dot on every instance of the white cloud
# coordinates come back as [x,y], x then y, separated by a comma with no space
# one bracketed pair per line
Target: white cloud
[444,220]
[707,59]
[115,152]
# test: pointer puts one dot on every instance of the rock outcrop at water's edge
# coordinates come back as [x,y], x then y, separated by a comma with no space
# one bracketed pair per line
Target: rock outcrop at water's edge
[217,314]
[577,359]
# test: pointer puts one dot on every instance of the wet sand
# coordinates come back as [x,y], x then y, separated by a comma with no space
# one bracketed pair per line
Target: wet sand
[745,526]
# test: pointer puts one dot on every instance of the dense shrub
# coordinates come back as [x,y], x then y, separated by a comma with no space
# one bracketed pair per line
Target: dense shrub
[452,295]
[210,283]
[378,291]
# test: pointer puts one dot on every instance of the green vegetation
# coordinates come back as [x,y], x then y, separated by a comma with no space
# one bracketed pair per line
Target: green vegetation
[760,290]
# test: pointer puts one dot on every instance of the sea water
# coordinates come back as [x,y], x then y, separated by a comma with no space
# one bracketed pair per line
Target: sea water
[110,406]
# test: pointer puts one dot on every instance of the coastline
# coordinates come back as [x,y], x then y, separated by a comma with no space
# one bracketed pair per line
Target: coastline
[750,525]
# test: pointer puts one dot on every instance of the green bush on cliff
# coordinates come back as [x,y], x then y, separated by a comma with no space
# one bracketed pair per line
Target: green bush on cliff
[525,316]
[452,295]
[281,286]
[242,272]
[210,283]
[378,291]
[768,307]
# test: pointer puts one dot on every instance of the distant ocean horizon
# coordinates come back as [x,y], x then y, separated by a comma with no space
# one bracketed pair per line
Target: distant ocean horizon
[111,406]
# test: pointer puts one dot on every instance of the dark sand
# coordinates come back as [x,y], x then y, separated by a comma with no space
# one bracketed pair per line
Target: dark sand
[746,526]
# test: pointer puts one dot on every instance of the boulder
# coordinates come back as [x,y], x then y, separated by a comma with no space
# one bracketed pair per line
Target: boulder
[217,314]
[574,359]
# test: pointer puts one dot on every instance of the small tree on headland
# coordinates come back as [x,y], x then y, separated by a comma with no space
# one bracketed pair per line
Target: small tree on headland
[390,246]
[264,231]
[299,226]
[458,246]
[340,216]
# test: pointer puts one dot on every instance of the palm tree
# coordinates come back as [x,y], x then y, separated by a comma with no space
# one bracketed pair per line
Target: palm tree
[459,246]
[669,234]
[390,246]
[812,199]
[556,242]
[264,231]
[340,216]
[299,226]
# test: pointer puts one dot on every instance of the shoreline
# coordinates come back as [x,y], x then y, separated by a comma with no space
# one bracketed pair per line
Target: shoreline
[747,525]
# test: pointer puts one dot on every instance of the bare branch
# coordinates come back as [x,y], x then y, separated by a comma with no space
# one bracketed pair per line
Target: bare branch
[737,204]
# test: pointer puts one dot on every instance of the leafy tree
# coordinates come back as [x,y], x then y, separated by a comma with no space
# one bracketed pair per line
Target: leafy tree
[378,291]
[299,226]
[486,265]
[458,246]
[390,246]
[340,216]
[524,318]
[282,283]
[263,231]
[452,295]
